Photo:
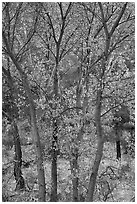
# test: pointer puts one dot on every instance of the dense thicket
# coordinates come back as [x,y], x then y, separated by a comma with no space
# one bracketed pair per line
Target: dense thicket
[68,101]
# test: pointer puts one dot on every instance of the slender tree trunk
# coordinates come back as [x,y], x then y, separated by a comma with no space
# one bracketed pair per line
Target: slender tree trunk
[75,150]
[53,197]
[20,183]
[74,172]
[93,177]
[58,56]
[75,153]
[40,167]
[99,152]
[54,163]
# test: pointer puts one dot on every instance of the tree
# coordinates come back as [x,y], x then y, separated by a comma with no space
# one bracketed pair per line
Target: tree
[73,67]
[10,49]
[109,47]
[11,113]
[60,42]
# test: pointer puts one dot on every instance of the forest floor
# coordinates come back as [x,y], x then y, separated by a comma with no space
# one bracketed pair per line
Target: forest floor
[123,192]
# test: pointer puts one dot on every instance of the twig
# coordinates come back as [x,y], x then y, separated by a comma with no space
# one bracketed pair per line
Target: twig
[116,106]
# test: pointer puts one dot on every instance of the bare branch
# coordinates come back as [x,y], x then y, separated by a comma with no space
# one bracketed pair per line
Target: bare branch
[46,45]
[115,25]
[15,23]
[61,10]
[52,27]
[103,20]
[31,34]
[132,99]
[67,40]
[68,10]
[67,109]
[106,32]
[120,41]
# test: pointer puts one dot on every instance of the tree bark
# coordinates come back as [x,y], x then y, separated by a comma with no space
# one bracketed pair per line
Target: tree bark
[75,152]
[39,155]
[99,152]
[20,183]
[53,197]
[74,172]
[93,177]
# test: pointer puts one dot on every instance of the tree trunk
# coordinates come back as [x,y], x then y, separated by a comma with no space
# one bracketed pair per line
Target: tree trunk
[20,183]
[39,156]
[99,152]
[58,56]
[54,177]
[75,151]
[93,177]
[40,168]
[53,197]
[74,172]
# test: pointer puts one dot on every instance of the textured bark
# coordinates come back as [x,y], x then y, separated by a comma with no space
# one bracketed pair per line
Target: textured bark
[39,156]
[99,152]
[53,197]
[75,153]
[54,177]
[94,173]
[74,172]
[20,183]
